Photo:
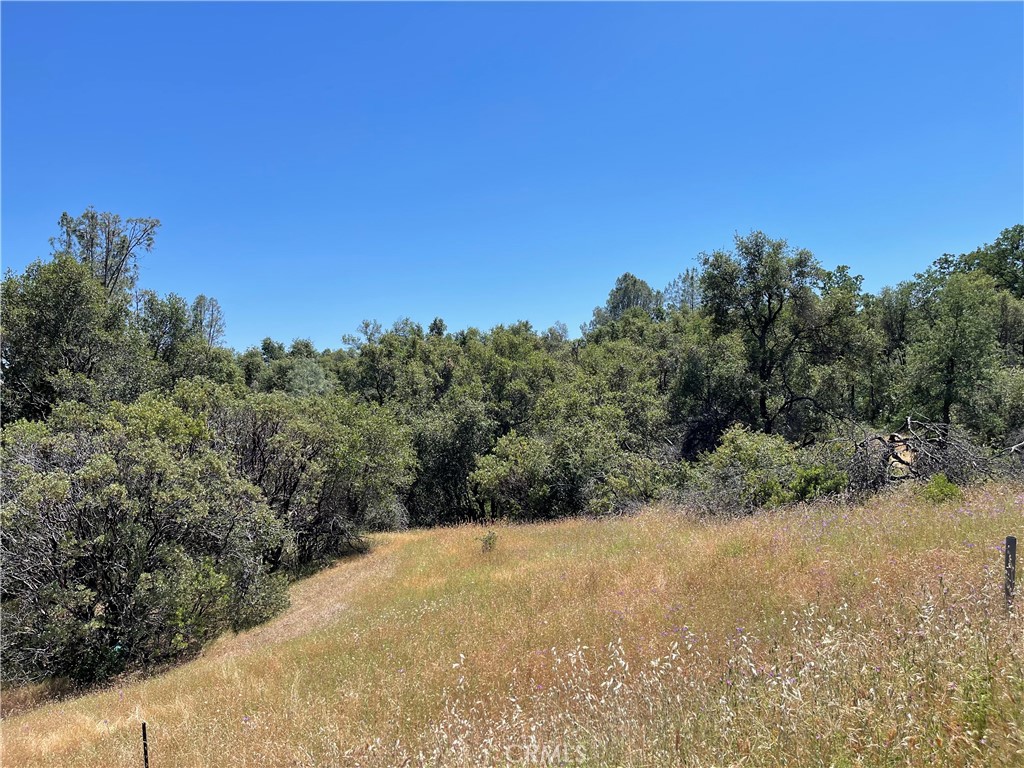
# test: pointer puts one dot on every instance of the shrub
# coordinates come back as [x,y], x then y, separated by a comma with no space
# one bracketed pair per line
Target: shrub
[746,471]
[629,481]
[939,489]
[127,541]
[514,480]
[329,467]
[488,541]
[818,480]
[258,596]
[575,469]
[750,469]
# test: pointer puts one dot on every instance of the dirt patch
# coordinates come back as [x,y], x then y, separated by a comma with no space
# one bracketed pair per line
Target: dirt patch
[315,602]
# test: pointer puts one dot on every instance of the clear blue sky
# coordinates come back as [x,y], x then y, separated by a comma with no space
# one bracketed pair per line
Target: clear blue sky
[314,165]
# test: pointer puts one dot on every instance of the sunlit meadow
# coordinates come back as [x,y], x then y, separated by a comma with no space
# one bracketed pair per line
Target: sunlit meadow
[823,635]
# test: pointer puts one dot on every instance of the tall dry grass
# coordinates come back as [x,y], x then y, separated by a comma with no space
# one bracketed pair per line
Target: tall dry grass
[821,635]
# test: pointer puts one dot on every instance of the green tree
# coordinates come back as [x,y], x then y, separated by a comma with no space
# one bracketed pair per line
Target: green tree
[954,355]
[326,465]
[1003,260]
[514,368]
[307,377]
[208,319]
[514,481]
[272,350]
[710,387]
[770,293]
[683,293]
[252,365]
[437,327]
[302,348]
[107,245]
[630,292]
[167,323]
[63,337]
[449,439]
[179,337]
[1010,328]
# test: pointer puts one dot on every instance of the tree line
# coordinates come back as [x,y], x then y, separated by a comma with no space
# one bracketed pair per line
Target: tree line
[159,487]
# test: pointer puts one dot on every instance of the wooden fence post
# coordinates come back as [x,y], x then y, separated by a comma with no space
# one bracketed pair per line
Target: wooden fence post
[145,747]
[1010,582]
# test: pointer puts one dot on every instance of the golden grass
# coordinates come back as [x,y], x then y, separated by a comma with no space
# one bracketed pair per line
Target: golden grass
[821,635]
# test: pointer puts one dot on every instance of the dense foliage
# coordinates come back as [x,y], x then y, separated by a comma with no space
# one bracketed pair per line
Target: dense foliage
[159,487]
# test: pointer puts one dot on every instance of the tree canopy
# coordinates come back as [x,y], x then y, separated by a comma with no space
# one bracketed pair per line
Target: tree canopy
[159,487]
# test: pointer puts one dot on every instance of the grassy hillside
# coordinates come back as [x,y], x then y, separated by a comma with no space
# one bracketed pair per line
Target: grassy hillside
[822,635]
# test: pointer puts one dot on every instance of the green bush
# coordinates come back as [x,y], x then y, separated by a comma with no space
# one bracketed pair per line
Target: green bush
[939,489]
[150,542]
[488,542]
[818,480]
[629,481]
[514,480]
[258,596]
[749,470]
[329,468]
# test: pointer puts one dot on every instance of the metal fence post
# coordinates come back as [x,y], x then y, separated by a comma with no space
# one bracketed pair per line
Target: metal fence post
[1010,582]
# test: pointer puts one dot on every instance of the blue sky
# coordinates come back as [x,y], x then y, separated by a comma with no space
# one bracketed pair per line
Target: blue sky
[318,164]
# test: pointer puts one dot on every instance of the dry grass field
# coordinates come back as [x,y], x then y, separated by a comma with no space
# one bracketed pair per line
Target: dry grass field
[817,636]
